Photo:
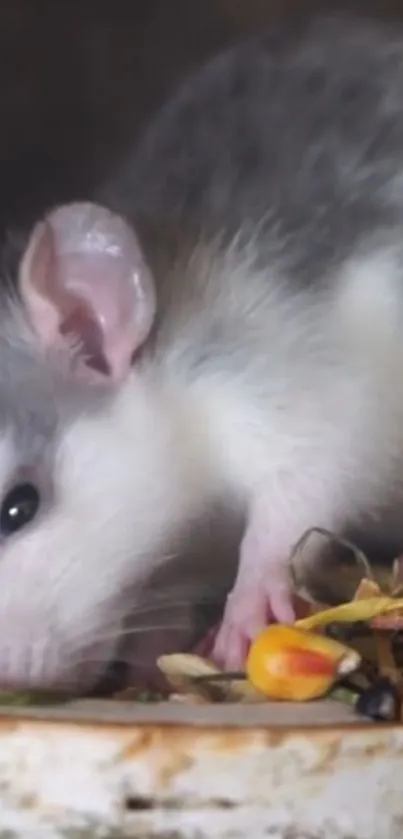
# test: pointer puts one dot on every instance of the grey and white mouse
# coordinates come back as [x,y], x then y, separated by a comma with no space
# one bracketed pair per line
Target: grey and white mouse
[224,329]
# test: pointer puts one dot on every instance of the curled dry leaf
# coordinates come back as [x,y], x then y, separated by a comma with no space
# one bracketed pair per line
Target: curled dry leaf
[332,538]
[326,568]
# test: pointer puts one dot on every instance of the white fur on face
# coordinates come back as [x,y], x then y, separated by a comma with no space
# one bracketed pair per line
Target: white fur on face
[306,413]
[122,484]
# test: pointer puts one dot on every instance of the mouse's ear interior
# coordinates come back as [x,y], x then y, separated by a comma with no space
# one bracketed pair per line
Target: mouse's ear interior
[83,275]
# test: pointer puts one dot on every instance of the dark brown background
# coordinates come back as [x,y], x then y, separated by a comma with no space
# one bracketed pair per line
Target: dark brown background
[79,77]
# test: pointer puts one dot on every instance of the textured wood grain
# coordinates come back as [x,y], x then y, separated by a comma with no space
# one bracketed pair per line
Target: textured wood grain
[171,773]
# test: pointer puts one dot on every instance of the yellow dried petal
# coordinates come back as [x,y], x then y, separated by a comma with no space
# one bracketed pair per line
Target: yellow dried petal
[186,665]
[180,670]
[367,589]
[287,663]
[356,610]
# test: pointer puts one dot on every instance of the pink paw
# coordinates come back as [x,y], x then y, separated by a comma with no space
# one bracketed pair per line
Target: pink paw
[205,647]
[247,612]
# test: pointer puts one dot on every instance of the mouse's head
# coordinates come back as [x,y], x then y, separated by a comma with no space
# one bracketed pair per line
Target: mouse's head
[73,535]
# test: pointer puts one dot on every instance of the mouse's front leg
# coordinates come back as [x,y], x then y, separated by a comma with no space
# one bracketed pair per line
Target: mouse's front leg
[263,588]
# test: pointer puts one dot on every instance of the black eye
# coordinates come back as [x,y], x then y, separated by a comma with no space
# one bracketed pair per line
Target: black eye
[19,507]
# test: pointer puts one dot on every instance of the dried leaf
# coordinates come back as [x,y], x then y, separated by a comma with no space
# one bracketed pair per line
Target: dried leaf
[356,610]
[367,589]
[333,538]
[181,669]
[186,665]
[184,670]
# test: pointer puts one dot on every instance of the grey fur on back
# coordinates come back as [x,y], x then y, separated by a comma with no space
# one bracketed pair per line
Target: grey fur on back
[296,136]
[292,142]
[283,157]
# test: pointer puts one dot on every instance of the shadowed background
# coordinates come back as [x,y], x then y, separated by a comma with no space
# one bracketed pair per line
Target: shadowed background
[78,80]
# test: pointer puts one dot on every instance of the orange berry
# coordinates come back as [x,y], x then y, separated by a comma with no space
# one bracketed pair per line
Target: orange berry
[292,664]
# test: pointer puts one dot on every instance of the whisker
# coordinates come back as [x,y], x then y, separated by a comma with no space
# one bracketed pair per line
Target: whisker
[191,595]
[171,605]
[153,608]
[125,660]
[76,558]
[137,630]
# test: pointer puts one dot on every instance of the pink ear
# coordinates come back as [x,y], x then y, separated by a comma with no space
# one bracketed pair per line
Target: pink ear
[83,275]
